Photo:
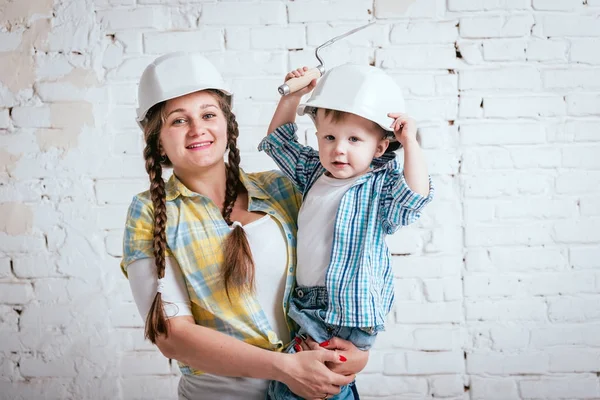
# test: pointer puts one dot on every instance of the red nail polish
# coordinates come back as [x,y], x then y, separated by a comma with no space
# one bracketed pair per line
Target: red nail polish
[342,359]
[297,347]
[297,340]
[324,344]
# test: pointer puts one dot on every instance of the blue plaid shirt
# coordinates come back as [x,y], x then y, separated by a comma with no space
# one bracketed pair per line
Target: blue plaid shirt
[359,277]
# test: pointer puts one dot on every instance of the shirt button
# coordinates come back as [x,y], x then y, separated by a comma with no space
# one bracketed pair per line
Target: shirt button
[289,235]
[300,293]
[291,269]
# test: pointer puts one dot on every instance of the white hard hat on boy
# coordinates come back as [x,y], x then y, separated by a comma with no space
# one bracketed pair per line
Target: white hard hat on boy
[173,75]
[358,89]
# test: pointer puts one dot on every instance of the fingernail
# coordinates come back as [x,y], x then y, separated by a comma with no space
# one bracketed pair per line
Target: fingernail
[324,344]
[297,347]
[297,340]
[342,359]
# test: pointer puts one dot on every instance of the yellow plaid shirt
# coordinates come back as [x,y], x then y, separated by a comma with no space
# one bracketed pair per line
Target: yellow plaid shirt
[195,235]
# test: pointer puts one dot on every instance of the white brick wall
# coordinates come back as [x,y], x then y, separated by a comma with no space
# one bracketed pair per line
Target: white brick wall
[498,285]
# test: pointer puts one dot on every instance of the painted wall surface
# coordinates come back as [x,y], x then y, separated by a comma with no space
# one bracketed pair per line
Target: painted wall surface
[498,284]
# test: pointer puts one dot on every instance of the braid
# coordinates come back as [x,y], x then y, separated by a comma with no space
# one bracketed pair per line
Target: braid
[238,271]
[156,322]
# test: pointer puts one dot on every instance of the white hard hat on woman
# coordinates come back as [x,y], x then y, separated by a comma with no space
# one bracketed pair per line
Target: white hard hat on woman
[173,75]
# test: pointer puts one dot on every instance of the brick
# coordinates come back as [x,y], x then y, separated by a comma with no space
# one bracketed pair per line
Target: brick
[557,5]
[54,389]
[493,388]
[544,209]
[471,51]
[560,387]
[577,335]
[4,118]
[572,359]
[509,337]
[392,9]
[546,50]
[446,386]
[574,309]
[433,109]
[488,5]
[446,289]
[590,205]
[439,338]
[38,368]
[431,266]
[15,293]
[577,231]
[442,362]
[495,184]
[470,106]
[585,257]
[499,233]
[31,117]
[262,63]
[532,310]
[373,36]
[144,364]
[275,37]
[382,385]
[505,78]
[501,364]
[571,78]
[417,57]
[428,312]
[504,50]
[560,25]
[493,286]
[268,13]
[525,106]
[424,32]
[131,41]
[494,133]
[581,157]
[200,40]
[139,18]
[578,182]
[583,104]
[516,25]
[585,51]
[34,266]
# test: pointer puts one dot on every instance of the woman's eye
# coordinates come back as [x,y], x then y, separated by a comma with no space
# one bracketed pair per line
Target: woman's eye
[208,115]
[178,121]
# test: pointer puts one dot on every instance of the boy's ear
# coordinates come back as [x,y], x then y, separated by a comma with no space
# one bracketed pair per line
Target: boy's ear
[382,147]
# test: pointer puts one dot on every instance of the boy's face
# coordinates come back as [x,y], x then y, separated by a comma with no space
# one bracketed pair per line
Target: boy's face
[347,147]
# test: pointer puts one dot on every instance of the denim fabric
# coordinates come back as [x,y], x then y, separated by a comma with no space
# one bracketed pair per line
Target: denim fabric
[307,308]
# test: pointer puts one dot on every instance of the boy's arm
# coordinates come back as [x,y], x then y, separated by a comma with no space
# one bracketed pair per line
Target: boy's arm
[406,192]
[296,161]
[285,112]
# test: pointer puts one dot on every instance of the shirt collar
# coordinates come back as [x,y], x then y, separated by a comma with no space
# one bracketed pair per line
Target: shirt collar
[383,160]
[175,188]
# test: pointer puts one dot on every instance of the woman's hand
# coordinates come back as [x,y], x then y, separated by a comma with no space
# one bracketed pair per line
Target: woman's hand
[356,359]
[306,374]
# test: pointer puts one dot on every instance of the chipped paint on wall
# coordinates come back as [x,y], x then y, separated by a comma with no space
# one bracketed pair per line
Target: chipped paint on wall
[15,218]
[64,139]
[19,11]
[7,161]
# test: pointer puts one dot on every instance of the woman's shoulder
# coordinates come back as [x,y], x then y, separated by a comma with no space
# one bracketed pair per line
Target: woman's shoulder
[141,204]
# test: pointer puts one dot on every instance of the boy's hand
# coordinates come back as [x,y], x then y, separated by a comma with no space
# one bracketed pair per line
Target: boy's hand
[296,74]
[405,128]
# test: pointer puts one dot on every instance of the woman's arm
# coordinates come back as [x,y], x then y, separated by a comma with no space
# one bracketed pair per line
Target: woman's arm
[208,350]
[214,352]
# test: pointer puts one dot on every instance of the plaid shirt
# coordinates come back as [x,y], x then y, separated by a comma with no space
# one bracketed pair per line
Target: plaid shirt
[359,277]
[195,235]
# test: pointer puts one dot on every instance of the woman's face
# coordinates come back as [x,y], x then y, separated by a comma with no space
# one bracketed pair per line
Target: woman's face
[194,133]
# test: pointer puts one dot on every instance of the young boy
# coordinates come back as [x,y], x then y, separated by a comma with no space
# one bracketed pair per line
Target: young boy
[354,193]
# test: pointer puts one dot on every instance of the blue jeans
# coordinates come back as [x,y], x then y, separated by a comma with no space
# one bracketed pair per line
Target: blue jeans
[307,308]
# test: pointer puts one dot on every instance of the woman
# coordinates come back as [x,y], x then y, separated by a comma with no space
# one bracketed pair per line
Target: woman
[210,255]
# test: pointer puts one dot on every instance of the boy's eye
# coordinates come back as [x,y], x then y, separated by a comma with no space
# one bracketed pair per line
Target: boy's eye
[328,137]
[354,139]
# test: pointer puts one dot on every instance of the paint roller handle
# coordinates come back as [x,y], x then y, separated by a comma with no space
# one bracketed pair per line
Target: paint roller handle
[295,84]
